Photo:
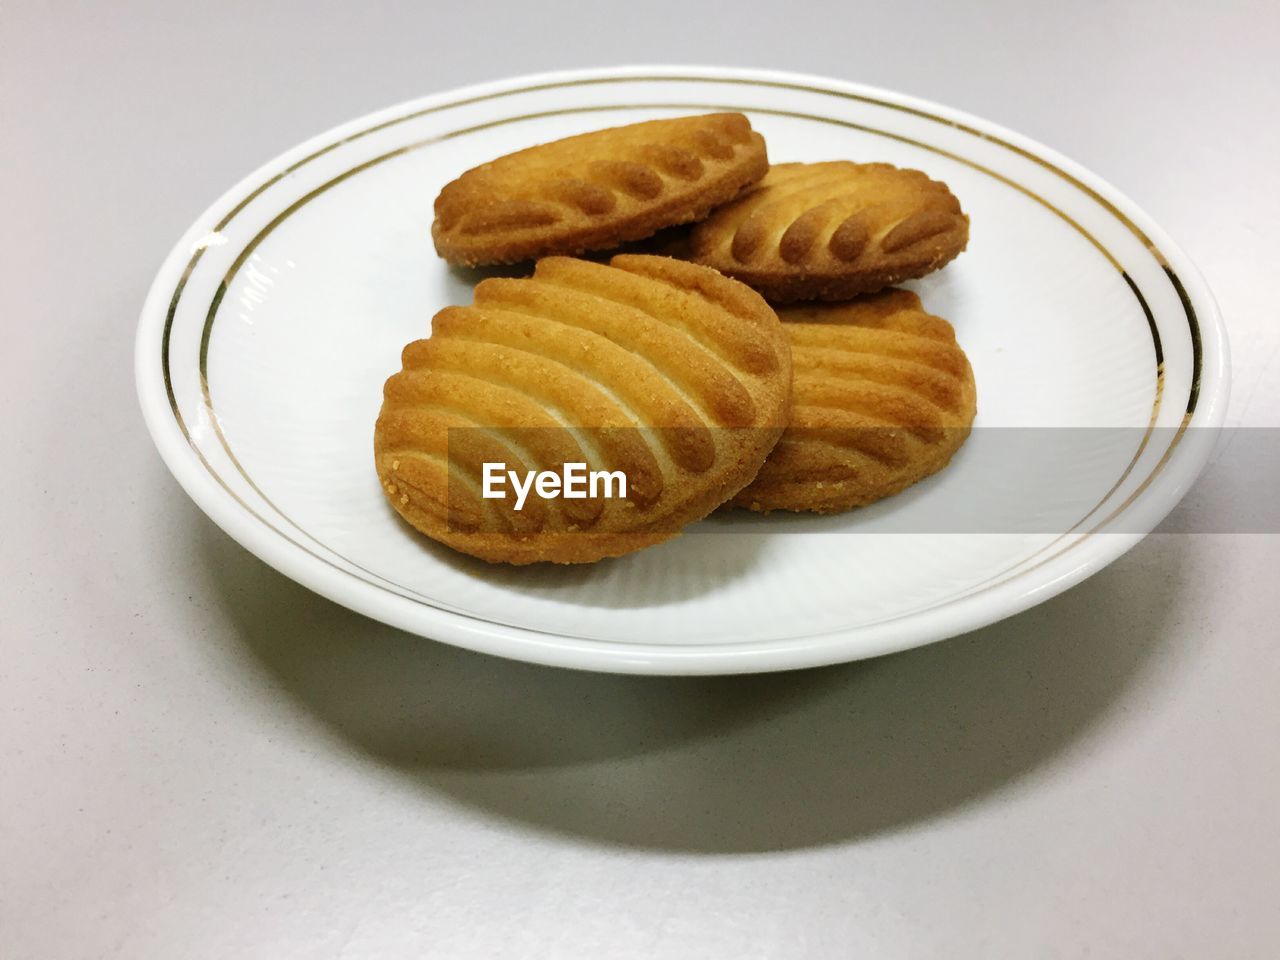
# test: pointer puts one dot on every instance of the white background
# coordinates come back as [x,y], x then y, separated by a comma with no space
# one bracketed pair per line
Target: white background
[200,759]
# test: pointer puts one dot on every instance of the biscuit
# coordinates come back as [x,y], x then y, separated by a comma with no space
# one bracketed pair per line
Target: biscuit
[596,190]
[830,231]
[662,369]
[883,396]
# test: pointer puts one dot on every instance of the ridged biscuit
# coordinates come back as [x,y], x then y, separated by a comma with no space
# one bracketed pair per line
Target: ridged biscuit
[883,396]
[830,231]
[596,190]
[666,370]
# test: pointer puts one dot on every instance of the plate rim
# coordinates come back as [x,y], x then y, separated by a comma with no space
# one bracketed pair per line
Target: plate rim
[1016,594]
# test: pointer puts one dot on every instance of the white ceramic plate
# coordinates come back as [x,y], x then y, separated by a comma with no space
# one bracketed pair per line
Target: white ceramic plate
[267,335]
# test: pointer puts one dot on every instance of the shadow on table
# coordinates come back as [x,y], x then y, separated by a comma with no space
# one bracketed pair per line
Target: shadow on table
[724,764]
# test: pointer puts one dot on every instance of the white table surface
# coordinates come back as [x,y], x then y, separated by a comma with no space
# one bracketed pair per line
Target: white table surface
[199,758]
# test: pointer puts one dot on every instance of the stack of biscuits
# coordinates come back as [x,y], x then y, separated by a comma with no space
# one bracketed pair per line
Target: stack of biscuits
[755,355]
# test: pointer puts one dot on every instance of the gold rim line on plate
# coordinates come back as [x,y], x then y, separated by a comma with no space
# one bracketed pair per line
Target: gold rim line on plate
[257,240]
[243,203]
[253,244]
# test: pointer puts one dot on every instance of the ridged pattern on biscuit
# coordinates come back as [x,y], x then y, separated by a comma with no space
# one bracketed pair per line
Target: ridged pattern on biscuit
[596,190]
[833,230]
[665,370]
[883,396]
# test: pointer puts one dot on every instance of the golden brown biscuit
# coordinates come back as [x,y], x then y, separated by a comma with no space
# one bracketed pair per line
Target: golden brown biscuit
[664,370]
[830,231]
[883,397]
[596,190]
